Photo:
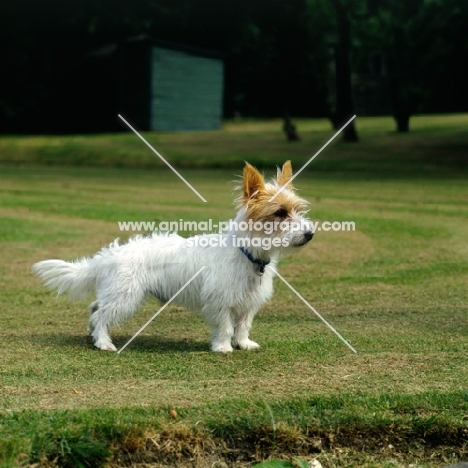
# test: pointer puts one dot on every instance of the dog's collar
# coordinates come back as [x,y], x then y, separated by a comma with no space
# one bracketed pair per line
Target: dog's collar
[261,263]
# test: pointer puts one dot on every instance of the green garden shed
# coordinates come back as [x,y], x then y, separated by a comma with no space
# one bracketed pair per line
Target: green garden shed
[161,86]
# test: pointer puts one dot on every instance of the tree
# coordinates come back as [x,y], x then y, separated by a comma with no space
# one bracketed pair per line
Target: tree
[335,22]
[416,38]
[344,99]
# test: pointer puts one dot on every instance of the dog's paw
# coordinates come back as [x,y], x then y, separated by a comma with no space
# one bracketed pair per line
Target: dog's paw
[105,346]
[221,347]
[248,345]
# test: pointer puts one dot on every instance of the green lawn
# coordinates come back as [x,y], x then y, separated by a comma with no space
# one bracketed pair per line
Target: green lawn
[395,288]
[435,146]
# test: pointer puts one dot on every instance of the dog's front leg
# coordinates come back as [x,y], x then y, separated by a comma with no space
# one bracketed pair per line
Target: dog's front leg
[242,331]
[222,329]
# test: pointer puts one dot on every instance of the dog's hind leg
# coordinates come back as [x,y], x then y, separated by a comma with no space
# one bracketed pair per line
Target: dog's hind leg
[242,331]
[93,307]
[98,328]
[106,313]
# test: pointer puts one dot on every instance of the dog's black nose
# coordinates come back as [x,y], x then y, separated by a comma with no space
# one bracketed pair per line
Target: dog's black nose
[308,235]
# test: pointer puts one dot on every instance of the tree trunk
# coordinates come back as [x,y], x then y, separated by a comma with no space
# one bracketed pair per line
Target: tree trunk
[402,121]
[402,104]
[344,98]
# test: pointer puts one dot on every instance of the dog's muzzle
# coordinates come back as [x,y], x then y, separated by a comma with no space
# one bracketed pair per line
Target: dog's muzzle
[308,235]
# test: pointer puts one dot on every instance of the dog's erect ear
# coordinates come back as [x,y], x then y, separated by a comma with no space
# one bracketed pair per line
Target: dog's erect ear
[253,182]
[284,177]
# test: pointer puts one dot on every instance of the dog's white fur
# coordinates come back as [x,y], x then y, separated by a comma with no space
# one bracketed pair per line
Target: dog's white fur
[228,292]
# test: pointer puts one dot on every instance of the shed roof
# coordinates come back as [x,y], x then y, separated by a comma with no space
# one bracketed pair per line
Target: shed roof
[145,39]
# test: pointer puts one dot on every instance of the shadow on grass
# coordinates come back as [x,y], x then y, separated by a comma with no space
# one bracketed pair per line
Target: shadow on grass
[141,344]
[150,344]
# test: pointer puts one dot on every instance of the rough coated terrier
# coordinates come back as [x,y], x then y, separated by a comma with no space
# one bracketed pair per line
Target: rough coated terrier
[237,279]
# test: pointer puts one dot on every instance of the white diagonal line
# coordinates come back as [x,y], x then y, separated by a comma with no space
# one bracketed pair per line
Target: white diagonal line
[161,309]
[312,158]
[316,313]
[162,159]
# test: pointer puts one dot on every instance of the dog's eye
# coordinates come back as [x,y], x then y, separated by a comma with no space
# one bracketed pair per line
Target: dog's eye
[281,213]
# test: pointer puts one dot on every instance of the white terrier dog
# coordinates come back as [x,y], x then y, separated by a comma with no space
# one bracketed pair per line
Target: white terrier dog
[236,281]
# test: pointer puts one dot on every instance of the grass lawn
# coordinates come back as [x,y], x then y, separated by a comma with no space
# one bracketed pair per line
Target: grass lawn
[436,145]
[395,288]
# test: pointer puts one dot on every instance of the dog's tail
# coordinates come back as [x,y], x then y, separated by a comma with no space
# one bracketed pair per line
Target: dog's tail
[75,278]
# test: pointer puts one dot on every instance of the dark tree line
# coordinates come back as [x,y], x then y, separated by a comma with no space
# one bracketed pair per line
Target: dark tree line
[278,54]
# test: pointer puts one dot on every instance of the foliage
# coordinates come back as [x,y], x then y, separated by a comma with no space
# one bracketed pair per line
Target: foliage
[416,42]
[277,52]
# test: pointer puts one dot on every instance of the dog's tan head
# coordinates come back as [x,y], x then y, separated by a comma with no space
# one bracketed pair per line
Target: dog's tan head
[275,203]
